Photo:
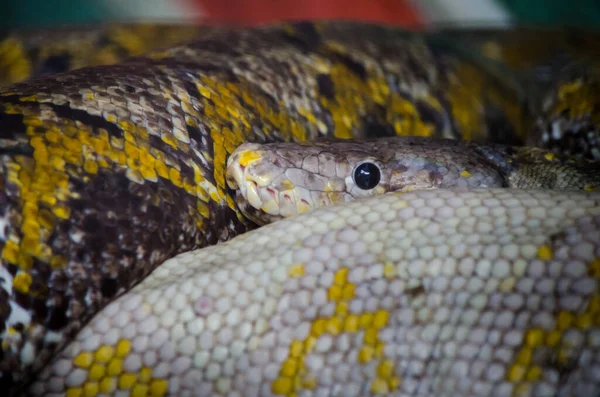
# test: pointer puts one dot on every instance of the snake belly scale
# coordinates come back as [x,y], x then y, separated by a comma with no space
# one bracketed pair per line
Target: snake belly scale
[427,293]
[109,171]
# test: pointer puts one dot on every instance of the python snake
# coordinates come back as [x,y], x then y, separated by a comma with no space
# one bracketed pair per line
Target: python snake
[109,171]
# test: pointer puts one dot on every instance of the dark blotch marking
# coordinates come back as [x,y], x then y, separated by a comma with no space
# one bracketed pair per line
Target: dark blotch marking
[76,184]
[57,318]
[500,129]
[564,369]
[110,232]
[154,212]
[435,177]
[39,310]
[22,299]
[109,287]
[326,87]
[510,151]
[79,205]
[91,224]
[4,308]
[55,64]
[351,64]
[190,87]
[374,129]
[429,114]
[106,41]
[187,172]
[86,118]
[557,238]
[12,268]
[305,37]
[6,380]
[157,143]
[194,133]
[103,41]
[128,88]
[11,125]
[218,47]
[415,291]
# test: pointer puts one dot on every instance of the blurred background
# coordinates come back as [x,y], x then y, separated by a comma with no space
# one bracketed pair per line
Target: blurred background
[413,14]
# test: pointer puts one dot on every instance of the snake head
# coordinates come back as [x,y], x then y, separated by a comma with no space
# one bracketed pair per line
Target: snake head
[278,180]
[274,181]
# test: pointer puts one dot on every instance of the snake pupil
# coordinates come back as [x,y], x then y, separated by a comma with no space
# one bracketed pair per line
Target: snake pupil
[367,176]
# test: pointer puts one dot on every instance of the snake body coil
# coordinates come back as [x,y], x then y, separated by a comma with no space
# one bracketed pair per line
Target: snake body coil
[428,293]
[108,171]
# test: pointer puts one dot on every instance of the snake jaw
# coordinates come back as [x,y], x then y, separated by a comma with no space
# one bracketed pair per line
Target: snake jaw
[255,196]
[252,194]
[264,191]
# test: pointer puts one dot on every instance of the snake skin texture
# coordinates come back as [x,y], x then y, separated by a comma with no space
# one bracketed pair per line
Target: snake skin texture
[108,171]
[558,67]
[279,180]
[428,293]
[36,53]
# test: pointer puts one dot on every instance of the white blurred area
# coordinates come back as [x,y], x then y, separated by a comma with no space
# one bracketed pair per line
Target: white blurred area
[154,10]
[464,13]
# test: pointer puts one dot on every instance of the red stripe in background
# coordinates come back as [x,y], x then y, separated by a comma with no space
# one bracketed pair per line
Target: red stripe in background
[254,12]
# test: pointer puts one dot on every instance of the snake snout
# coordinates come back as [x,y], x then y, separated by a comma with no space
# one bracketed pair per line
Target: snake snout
[244,155]
[250,171]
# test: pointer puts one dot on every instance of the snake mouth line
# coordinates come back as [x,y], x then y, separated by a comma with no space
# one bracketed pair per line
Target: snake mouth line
[259,200]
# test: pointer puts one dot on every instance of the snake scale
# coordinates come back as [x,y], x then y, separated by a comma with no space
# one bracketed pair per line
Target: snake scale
[112,170]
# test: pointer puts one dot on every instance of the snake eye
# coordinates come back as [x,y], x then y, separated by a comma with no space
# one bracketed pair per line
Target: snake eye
[366,176]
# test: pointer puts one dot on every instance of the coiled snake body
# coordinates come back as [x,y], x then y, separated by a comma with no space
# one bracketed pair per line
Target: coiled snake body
[109,171]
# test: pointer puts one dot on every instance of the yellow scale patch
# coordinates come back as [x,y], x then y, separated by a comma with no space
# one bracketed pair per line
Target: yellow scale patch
[468,84]
[523,370]
[44,182]
[293,376]
[126,39]
[579,99]
[83,49]
[350,102]
[14,62]
[106,375]
[465,174]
